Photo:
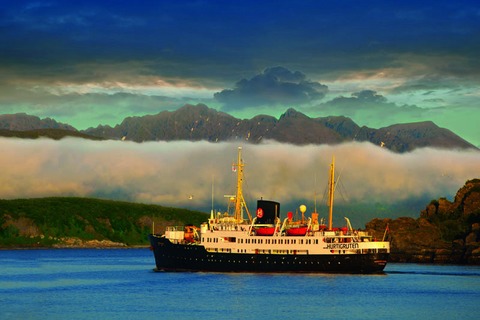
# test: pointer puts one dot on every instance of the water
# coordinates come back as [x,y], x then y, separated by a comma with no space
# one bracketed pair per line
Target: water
[120,284]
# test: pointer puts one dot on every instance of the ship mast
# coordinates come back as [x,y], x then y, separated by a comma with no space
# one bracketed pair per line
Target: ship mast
[239,200]
[330,193]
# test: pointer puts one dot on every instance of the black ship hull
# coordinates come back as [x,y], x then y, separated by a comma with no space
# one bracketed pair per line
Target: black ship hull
[189,257]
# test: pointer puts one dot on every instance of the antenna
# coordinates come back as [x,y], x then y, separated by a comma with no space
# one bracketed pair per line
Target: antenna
[213,184]
[315,194]
[331,192]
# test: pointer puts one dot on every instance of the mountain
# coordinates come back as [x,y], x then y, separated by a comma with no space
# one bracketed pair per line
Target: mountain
[21,125]
[25,122]
[55,134]
[409,136]
[199,122]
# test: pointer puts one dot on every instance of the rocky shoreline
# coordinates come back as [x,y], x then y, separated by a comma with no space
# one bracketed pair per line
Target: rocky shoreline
[426,239]
[79,243]
[418,241]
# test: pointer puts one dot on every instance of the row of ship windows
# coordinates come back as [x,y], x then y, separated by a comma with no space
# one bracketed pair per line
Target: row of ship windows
[258,251]
[245,261]
[262,241]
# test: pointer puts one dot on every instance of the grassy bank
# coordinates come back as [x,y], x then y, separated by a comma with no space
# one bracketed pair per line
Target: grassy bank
[49,221]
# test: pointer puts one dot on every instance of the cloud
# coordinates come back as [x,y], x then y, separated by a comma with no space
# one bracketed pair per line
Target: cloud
[365,97]
[85,109]
[274,86]
[367,107]
[167,173]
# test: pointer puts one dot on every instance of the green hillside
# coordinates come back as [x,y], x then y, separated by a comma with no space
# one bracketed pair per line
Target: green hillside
[48,221]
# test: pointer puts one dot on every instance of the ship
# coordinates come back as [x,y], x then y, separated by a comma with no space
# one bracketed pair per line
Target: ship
[228,242]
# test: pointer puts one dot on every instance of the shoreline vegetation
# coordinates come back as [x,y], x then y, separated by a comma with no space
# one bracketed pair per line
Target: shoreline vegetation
[85,222]
[445,232]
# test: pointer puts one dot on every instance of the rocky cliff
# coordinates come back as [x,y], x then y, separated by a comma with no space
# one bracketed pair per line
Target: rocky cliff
[445,232]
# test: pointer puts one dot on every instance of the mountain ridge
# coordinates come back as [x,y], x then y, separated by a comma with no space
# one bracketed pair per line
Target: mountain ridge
[25,122]
[199,122]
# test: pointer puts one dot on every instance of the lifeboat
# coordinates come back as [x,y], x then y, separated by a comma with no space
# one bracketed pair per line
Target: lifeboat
[296,228]
[264,231]
[297,231]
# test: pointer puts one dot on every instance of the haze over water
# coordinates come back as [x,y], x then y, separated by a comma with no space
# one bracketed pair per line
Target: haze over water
[181,174]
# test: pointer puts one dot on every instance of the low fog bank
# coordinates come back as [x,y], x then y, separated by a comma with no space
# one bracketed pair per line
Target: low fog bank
[373,180]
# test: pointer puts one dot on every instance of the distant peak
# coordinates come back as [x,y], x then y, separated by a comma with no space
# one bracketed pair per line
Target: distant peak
[292,113]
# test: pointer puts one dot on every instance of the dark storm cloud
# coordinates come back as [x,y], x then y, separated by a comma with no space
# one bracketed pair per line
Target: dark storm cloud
[215,41]
[273,86]
[176,39]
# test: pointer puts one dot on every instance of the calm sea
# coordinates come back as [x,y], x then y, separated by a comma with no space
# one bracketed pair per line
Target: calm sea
[120,284]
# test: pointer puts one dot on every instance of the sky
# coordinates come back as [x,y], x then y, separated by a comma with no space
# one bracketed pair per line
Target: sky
[90,63]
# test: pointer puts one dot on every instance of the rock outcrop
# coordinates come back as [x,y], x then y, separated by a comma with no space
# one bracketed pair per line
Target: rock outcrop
[445,232]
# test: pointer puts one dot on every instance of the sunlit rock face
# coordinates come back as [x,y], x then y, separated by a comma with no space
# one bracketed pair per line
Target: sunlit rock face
[446,232]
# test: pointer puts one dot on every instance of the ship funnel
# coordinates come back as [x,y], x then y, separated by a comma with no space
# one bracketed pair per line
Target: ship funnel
[267,211]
